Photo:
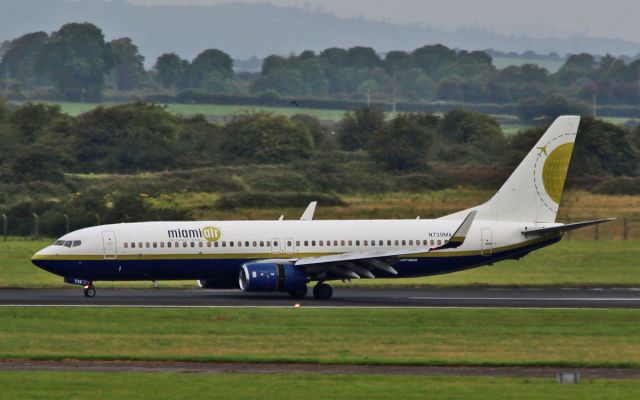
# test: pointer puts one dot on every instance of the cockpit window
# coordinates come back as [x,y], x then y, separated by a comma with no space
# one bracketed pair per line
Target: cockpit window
[77,243]
[59,243]
[68,243]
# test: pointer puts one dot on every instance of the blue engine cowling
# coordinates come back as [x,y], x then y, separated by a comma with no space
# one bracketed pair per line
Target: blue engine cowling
[267,277]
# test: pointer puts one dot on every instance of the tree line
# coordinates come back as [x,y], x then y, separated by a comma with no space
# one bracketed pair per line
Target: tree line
[76,63]
[105,165]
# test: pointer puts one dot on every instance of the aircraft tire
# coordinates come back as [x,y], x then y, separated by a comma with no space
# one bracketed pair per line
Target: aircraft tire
[322,291]
[90,292]
[298,293]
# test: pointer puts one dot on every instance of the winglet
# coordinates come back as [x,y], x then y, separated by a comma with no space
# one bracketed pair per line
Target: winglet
[309,212]
[461,234]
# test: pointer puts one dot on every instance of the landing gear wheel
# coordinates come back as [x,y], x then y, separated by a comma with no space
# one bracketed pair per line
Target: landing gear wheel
[298,293]
[90,292]
[322,291]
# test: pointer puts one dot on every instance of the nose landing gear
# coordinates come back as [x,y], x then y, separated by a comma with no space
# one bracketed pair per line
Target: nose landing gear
[89,291]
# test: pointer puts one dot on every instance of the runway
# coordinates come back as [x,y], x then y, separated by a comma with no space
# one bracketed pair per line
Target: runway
[343,297]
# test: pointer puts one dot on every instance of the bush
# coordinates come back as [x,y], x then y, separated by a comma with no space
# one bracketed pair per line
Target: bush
[624,185]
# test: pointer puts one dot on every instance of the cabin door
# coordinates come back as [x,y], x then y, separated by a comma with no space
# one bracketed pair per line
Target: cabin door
[289,247]
[486,248]
[275,246]
[109,245]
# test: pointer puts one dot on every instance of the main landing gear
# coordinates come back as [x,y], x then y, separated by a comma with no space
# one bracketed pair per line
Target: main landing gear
[322,291]
[89,291]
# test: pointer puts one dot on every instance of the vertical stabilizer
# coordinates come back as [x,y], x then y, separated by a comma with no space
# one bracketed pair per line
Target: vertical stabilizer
[533,191]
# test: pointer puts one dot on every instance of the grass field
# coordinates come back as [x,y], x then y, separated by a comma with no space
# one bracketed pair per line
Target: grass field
[519,337]
[216,110]
[569,263]
[39,385]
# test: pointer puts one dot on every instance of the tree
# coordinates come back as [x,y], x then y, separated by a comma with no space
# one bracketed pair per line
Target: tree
[128,64]
[125,138]
[357,127]
[402,144]
[475,136]
[362,57]
[208,62]
[266,138]
[172,71]
[21,58]
[433,58]
[284,81]
[77,58]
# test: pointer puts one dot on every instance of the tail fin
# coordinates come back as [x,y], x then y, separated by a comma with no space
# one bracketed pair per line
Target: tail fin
[533,191]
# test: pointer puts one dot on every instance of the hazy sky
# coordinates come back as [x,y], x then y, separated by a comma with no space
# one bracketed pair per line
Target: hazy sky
[540,18]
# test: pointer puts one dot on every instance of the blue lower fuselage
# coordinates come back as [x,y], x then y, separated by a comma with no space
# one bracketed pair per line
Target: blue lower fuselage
[226,271]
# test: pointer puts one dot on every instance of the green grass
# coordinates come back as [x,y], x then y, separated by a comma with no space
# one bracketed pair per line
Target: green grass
[215,110]
[568,263]
[526,337]
[66,385]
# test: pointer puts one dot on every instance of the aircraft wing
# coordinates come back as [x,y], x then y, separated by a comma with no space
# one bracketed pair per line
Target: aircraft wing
[361,263]
[565,228]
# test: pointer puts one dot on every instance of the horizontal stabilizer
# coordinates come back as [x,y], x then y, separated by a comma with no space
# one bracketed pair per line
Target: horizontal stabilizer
[564,228]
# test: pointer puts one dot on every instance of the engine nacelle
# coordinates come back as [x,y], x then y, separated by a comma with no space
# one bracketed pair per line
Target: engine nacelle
[268,277]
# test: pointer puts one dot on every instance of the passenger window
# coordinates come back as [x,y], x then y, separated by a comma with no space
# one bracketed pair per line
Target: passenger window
[397,243]
[230,244]
[147,245]
[126,245]
[350,242]
[208,244]
[169,244]
[275,244]
[262,244]
[155,245]
[432,242]
[381,243]
[239,244]
[184,244]
[140,245]
[297,243]
[268,244]
[388,242]
[439,242]
[215,244]
[224,244]
[321,243]
[133,245]
[425,242]
[306,243]
[162,245]
[357,243]
[342,242]
[193,244]
[410,242]
[366,243]
[255,244]
[335,242]
[313,243]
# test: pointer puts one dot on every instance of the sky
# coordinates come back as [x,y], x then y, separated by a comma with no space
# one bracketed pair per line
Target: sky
[538,18]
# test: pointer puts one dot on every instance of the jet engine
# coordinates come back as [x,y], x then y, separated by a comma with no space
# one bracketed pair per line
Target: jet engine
[267,277]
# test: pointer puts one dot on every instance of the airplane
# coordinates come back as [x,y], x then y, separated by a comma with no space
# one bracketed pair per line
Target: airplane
[286,256]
